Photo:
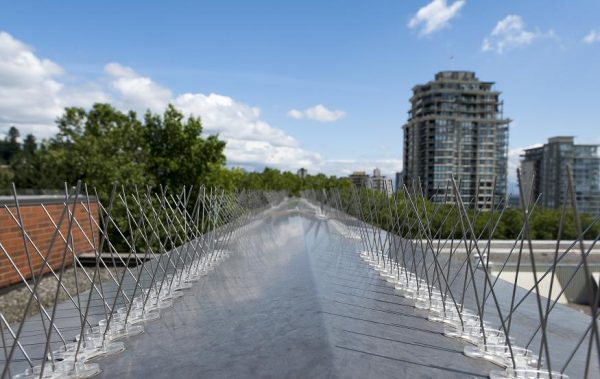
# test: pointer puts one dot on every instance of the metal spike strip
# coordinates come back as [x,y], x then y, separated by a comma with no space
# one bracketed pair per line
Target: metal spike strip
[397,237]
[170,239]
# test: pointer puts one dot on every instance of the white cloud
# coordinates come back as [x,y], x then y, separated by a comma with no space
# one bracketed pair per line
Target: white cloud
[294,113]
[251,141]
[31,93]
[592,37]
[34,91]
[137,92]
[253,153]
[435,16]
[510,33]
[232,119]
[318,113]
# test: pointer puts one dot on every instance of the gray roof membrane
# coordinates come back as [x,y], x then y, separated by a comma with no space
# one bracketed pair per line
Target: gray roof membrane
[295,300]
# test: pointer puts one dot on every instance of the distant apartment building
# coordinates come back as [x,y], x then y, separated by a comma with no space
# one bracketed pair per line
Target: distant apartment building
[456,129]
[544,169]
[399,181]
[380,183]
[377,182]
[302,173]
[360,179]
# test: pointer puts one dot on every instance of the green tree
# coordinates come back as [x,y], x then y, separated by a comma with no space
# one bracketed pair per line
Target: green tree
[177,155]
[6,178]
[100,147]
[26,165]
[10,146]
[103,146]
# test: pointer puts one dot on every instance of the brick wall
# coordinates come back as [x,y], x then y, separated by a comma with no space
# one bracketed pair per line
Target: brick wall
[39,227]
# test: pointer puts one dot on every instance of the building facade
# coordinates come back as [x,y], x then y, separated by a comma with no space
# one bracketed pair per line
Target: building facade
[380,183]
[377,182]
[39,214]
[544,168]
[456,129]
[399,181]
[360,179]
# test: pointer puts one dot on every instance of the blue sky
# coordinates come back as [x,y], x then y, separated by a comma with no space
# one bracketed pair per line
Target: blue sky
[345,67]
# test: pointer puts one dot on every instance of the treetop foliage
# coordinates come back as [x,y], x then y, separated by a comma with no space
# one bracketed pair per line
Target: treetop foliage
[103,145]
[397,214]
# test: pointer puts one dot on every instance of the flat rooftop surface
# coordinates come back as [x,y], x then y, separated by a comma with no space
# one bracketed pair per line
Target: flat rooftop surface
[294,301]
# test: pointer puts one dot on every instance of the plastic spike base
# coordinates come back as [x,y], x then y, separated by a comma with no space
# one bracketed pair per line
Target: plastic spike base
[459,319]
[171,295]
[129,330]
[461,323]
[431,302]
[501,355]
[154,305]
[112,347]
[90,349]
[451,316]
[197,273]
[165,303]
[64,369]
[369,254]
[182,285]
[474,335]
[512,373]
[411,291]
[118,329]
[383,268]
[192,277]
[72,360]
[150,314]
[387,274]
[392,279]
[366,255]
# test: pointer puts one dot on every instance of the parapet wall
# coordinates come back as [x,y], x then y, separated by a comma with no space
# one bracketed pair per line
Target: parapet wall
[39,213]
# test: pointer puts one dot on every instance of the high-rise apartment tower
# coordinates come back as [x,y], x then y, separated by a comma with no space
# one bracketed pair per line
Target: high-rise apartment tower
[545,169]
[456,128]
